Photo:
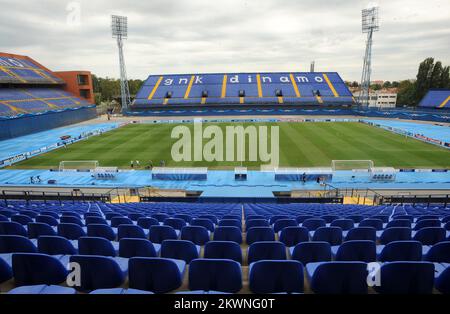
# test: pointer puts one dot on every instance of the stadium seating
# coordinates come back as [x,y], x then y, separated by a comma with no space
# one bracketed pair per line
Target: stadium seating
[180,249]
[215,274]
[223,250]
[436,98]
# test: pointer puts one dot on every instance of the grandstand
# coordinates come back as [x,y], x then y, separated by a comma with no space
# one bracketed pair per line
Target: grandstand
[436,98]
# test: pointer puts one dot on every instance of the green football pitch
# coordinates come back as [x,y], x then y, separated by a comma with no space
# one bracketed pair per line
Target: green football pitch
[312,144]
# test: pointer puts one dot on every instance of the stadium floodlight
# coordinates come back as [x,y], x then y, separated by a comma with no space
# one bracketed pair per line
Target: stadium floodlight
[370,24]
[119,27]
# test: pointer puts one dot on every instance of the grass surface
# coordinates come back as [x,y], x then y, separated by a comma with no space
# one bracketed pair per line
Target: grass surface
[301,145]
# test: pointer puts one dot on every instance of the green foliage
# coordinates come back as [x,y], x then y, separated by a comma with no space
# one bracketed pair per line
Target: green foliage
[109,88]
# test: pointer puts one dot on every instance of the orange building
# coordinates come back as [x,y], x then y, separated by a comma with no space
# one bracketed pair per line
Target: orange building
[78,83]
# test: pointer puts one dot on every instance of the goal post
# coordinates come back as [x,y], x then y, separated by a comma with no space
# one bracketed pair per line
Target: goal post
[78,165]
[348,165]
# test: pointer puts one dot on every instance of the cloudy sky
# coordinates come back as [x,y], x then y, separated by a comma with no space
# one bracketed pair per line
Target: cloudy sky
[189,36]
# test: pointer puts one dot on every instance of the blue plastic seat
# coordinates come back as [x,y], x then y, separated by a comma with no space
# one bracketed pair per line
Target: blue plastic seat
[276,277]
[228,233]
[187,218]
[395,234]
[213,218]
[406,278]
[427,217]
[130,231]
[176,223]
[49,220]
[101,230]
[338,277]
[257,234]
[256,223]
[313,224]
[203,222]
[99,272]
[234,217]
[215,274]
[372,222]
[135,216]
[357,250]
[180,249]
[406,223]
[110,215]
[35,269]
[266,250]
[55,245]
[50,213]
[30,213]
[12,228]
[158,275]
[329,218]
[442,282]
[96,246]
[71,231]
[119,291]
[5,271]
[3,218]
[95,220]
[332,235]
[132,247]
[71,220]
[147,222]
[361,233]
[223,250]
[356,218]
[410,218]
[311,252]
[401,251]
[439,253]
[16,244]
[292,236]
[160,216]
[199,235]
[230,223]
[157,234]
[117,221]
[37,229]
[71,214]
[280,224]
[42,289]
[24,220]
[274,218]
[344,224]
[424,223]
[430,235]
[383,218]
[92,214]
[301,218]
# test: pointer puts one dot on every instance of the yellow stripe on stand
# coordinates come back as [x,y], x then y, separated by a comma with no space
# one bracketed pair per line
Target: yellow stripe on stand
[203,100]
[258,82]
[241,100]
[294,84]
[224,86]
[280,99]
[444,102]
[44,75]
[152,93]
[13,108]
[10,73]
[330,85]
[188,90]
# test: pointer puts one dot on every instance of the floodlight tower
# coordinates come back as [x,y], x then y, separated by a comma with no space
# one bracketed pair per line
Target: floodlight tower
[370,24]
[119,26]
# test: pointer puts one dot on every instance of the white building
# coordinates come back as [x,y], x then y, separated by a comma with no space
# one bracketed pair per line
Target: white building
[382,99]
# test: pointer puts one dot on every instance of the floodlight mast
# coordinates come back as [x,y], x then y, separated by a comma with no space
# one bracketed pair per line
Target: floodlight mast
[370,24]
[119,26]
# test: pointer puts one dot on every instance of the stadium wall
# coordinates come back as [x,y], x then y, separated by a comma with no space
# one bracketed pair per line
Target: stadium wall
[10,128]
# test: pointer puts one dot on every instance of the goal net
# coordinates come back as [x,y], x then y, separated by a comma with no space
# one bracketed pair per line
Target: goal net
[361,165]
[78,165]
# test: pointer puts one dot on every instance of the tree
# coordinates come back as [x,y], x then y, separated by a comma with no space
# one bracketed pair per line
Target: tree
[406,93]
[445,78]
[395,84]
[387,84]
[375,87]
[423,78]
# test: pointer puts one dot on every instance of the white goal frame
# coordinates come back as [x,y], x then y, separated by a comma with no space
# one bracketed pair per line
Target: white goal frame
[352,165]
[75,165]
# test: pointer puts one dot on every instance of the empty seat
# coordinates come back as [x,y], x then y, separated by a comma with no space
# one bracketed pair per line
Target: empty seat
[116,221]
[42,289]
[442,282]
[223,250]
[234,217]
[338,277]
[356,218]
[95,220]
[30,213]
[395,234]
[199,235]
[203,222]
[180,249]
[71,214]
[383,218]
[230,223]
[406,278]
[96,246]
[5,271]
[160,216]
[401,251]
[37,229]
[251,217]
[439,253]
[92,214]
[372,222]
[99,272]
[135,216]
[71,231]
[12,228]
[72,220]
[427,217]
[329,218]
[176,223]
[310,252]
[362,233]
[256,223]
[157,234]
[49,220]
[280,224]
[215,274]
[24,220]
[147,222]
[187,218]
[16,244]
[430,235]
[357,250]
[55,245]
[292,236]
[110,215]
[313,224]
[427,223]
[101,230]
[410,218]
[267,250]
[213,218]
[130,231]
[50,213]
[3,218]
[332,235]
[37,268]
[228,233]
[158,275]
[256,234]
[276,277]
[132,247]
[344,224]
[274,218]
[399,223]
[119,291]
[445,219]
